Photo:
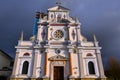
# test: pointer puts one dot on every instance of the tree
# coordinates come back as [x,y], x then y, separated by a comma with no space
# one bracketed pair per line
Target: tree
[113,69]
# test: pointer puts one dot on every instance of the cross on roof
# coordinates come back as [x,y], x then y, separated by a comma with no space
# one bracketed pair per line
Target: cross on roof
[58,3]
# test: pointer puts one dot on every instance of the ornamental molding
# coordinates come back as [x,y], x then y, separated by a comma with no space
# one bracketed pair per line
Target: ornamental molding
[58,58]
[25,57]
[89,48]
[60,24]
[22,47]
[85,48]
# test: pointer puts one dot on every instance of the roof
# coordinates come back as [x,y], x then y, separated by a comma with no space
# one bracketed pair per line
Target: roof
[5,54]
[58,7]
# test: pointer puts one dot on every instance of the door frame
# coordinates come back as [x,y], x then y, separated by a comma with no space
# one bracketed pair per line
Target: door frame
[52,64]
[61,67]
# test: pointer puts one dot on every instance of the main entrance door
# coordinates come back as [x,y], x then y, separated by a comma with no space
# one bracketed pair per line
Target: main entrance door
[58,73]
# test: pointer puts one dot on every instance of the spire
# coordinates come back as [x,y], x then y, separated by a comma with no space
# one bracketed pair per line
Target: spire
[77,21]
[32,38]
[94,37]
[22,35]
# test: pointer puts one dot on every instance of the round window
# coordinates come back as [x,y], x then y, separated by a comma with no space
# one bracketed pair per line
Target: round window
[58,34]
[57,51]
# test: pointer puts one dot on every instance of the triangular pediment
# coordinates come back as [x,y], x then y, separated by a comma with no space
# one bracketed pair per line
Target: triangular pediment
[58,57]
[56,8]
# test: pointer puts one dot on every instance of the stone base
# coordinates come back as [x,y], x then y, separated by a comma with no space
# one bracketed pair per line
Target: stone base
[29,78]
[45,79]
[36,79]
[88,79]
[71,79]
[49,79]
[20,79]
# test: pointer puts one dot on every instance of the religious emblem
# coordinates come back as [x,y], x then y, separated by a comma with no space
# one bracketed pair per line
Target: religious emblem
[58,34]
[73,34]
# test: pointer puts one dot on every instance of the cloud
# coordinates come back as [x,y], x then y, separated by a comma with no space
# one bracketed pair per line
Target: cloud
[99,16]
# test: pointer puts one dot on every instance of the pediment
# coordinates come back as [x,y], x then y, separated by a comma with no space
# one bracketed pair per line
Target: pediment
[58,8]
[57,58]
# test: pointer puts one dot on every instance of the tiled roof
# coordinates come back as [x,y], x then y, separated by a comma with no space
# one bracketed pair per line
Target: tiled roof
[5,54]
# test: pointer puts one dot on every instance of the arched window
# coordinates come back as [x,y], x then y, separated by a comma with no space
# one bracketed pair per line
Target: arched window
[26,54]
[25,67]
[58,17]
[91,67]
[89,54]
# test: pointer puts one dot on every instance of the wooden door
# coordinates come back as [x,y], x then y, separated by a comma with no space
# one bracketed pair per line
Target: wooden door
[58,73]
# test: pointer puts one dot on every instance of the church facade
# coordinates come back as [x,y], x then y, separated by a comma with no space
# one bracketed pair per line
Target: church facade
[57,50]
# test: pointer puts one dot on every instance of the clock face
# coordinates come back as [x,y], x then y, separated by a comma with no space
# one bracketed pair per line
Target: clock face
[58,34]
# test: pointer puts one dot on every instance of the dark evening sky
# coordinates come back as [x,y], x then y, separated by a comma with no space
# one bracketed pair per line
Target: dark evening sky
[97,16]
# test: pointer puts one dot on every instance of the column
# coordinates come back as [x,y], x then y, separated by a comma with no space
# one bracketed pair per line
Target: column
[70,64]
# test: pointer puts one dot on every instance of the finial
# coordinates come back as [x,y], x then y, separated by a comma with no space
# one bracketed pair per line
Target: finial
[58,3]
[22,35]
[32,38]
[94,36]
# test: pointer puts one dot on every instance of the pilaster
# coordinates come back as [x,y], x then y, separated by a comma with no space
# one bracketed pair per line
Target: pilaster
[15,65]
[45,77]
[81,65]
[46,63]
[35,64]
[99,60]
[100,65]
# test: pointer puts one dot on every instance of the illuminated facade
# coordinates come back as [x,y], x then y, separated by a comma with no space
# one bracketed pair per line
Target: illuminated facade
[57,50]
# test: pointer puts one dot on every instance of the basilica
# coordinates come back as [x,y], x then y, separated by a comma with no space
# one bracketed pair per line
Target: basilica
[57,50]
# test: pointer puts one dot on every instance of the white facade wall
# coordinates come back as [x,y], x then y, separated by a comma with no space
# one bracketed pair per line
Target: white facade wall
[87,59]
[36,57]
[75,65]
